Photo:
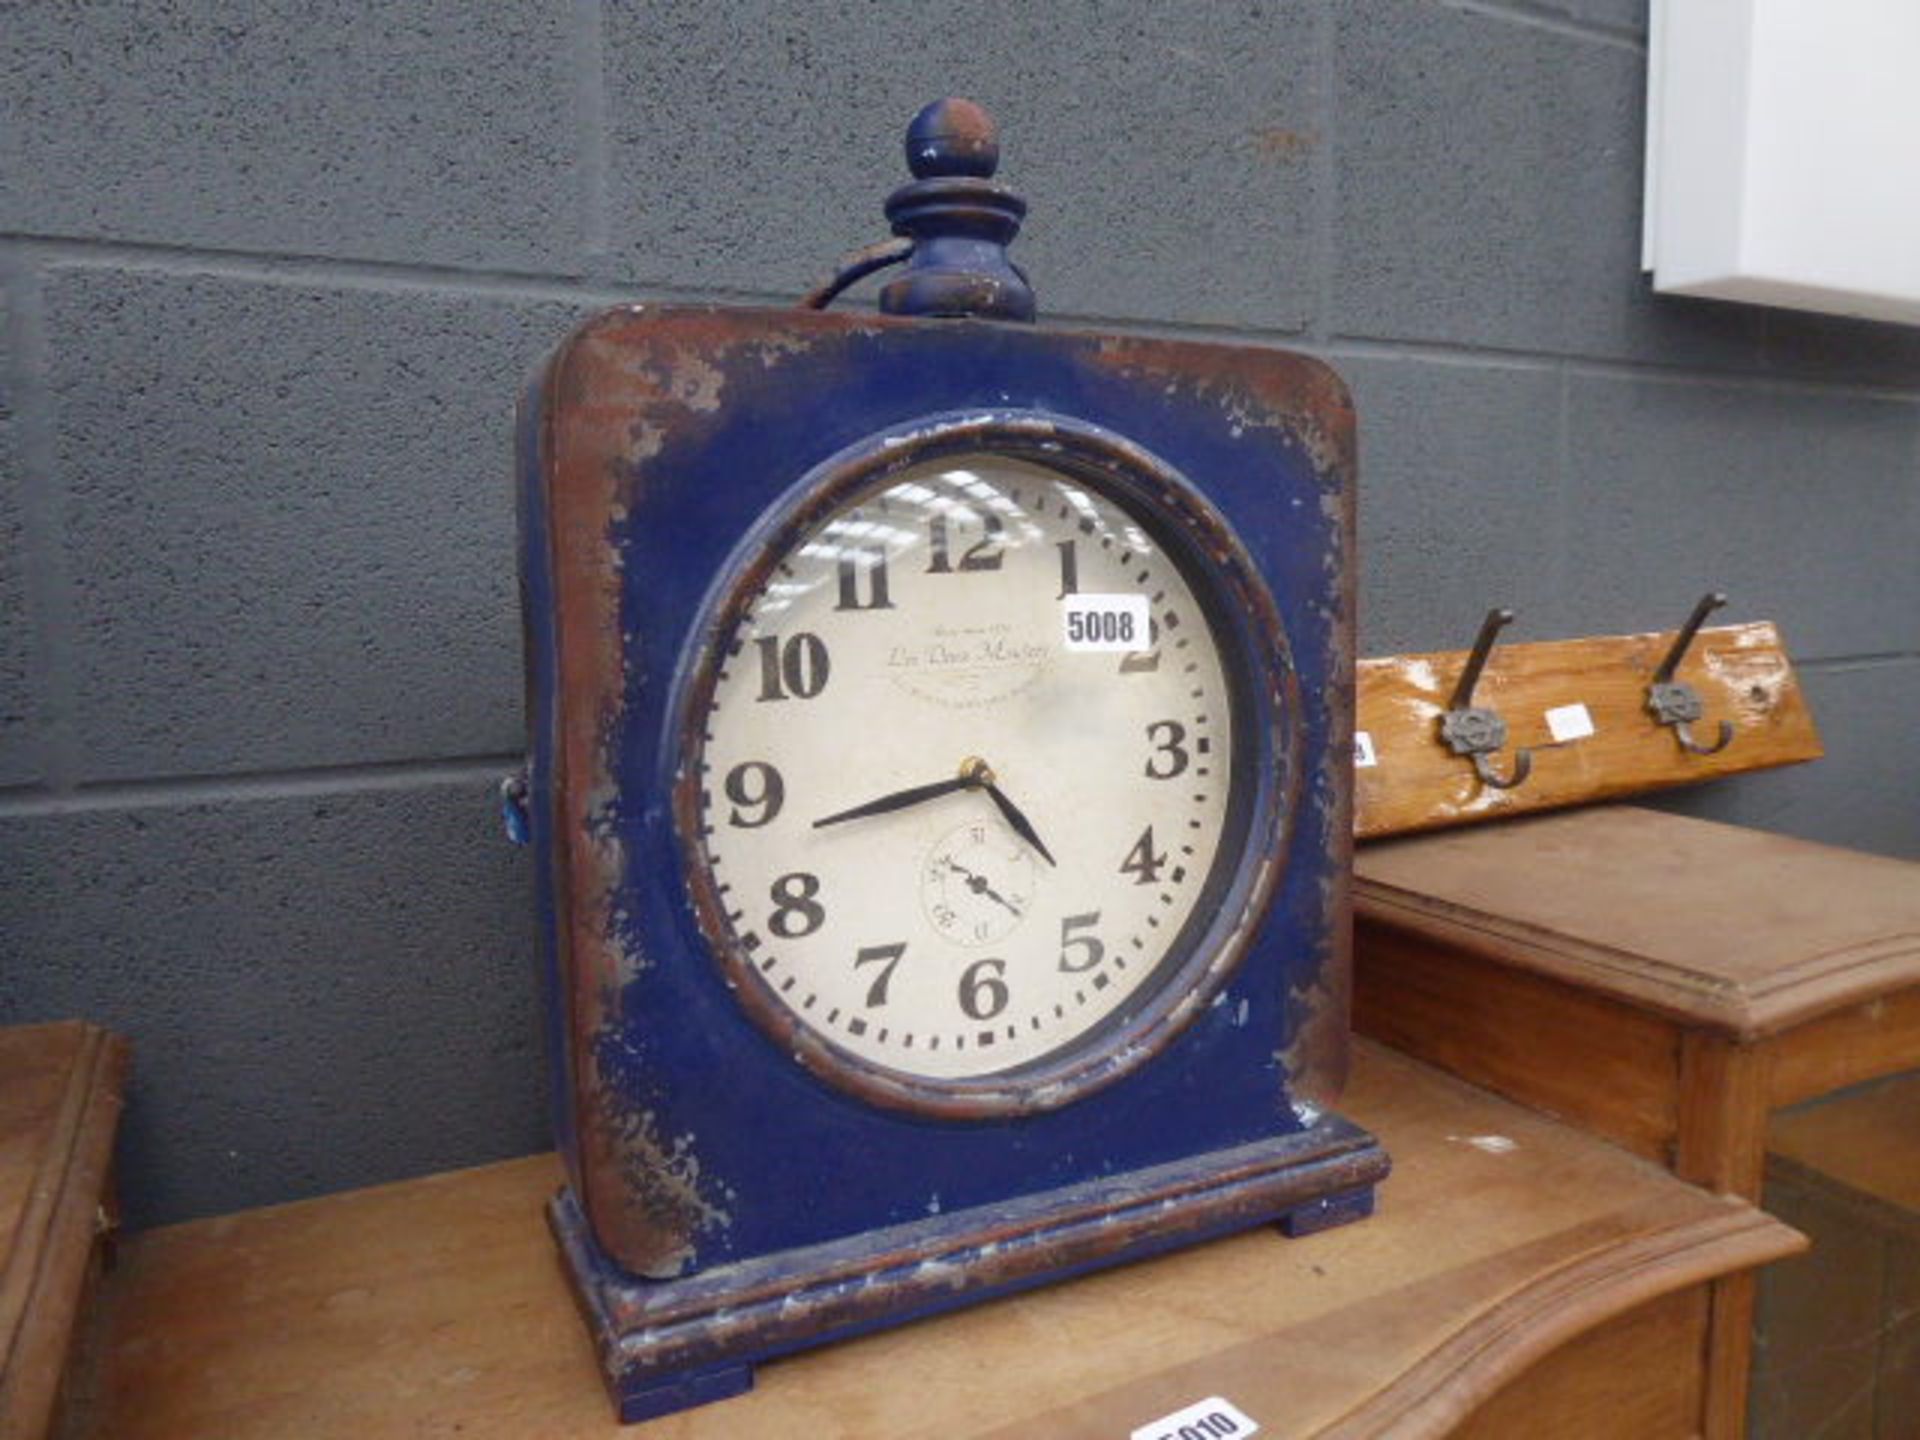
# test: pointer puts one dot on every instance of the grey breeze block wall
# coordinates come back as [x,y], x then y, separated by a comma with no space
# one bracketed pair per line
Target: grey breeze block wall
[272,275]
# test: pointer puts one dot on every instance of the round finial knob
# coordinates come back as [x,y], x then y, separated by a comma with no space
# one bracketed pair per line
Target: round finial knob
[959,219]
[952,137]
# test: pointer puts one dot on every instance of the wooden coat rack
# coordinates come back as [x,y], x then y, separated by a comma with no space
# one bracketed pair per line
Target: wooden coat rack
[1451,737]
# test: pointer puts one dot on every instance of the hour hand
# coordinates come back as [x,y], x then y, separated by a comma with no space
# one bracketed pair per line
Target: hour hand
[899,800]
[1022,826]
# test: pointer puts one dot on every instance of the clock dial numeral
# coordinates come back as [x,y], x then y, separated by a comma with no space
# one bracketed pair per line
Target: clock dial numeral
[886,957]
[755,786]
[1141,862]
[983,554]
[1080,952]
[873,565]
[792,896]
[983,994]
[799,666]
[1069,569]
[1144,662]
[1167,737]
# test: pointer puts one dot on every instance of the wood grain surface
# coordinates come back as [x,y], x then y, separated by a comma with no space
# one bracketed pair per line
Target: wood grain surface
[1722,926]
[1741,672]
[1533,1038]
[437,1308]
[1622,1370]
[1871,1038]
[1664,981]
[59,1107]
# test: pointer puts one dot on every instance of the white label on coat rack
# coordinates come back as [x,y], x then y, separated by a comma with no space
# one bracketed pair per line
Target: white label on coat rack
[1363,756]
[1569,722]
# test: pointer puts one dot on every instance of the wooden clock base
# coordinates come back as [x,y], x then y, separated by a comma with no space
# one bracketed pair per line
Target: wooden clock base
[666,1345]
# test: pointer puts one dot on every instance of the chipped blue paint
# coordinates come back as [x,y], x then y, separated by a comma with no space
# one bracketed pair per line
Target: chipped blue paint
[747,1156]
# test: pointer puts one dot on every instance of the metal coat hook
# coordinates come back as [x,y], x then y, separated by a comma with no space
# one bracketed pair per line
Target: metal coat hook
[1474,730]
[1675,702]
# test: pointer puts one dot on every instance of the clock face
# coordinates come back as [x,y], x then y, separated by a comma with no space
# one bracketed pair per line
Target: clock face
[965,761]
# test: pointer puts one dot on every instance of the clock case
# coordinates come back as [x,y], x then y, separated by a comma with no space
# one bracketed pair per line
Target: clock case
[724,1203]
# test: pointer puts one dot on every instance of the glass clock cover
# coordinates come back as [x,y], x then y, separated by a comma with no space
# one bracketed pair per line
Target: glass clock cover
[966,760]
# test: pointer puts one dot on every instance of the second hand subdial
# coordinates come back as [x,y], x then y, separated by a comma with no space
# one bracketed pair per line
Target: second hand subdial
[977,884]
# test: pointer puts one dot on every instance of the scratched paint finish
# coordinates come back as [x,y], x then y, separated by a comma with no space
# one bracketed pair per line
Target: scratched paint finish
[1269,701]
[653,441]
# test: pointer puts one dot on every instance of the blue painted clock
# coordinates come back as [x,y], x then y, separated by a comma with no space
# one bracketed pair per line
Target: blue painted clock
[939,787]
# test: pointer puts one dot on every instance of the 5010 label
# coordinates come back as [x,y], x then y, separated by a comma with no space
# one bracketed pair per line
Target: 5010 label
[1210,1419]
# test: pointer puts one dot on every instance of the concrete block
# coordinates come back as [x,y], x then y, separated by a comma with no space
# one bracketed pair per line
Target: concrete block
[19,762]
[407,133]
[1797,344]
[1460,505]
[9,349]
[1489,177]
[1865,794]
[290,519]
[1629,16]
[1803,505]
[322,990]
[1167,151]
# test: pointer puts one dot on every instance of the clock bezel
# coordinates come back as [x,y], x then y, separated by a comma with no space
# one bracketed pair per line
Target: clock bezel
[1256,664]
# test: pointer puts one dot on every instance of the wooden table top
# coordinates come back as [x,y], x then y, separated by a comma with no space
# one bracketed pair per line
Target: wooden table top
[436,1307]
[1723,926]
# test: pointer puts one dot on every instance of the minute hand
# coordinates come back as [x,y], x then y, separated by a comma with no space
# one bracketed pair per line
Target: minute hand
[900,800]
